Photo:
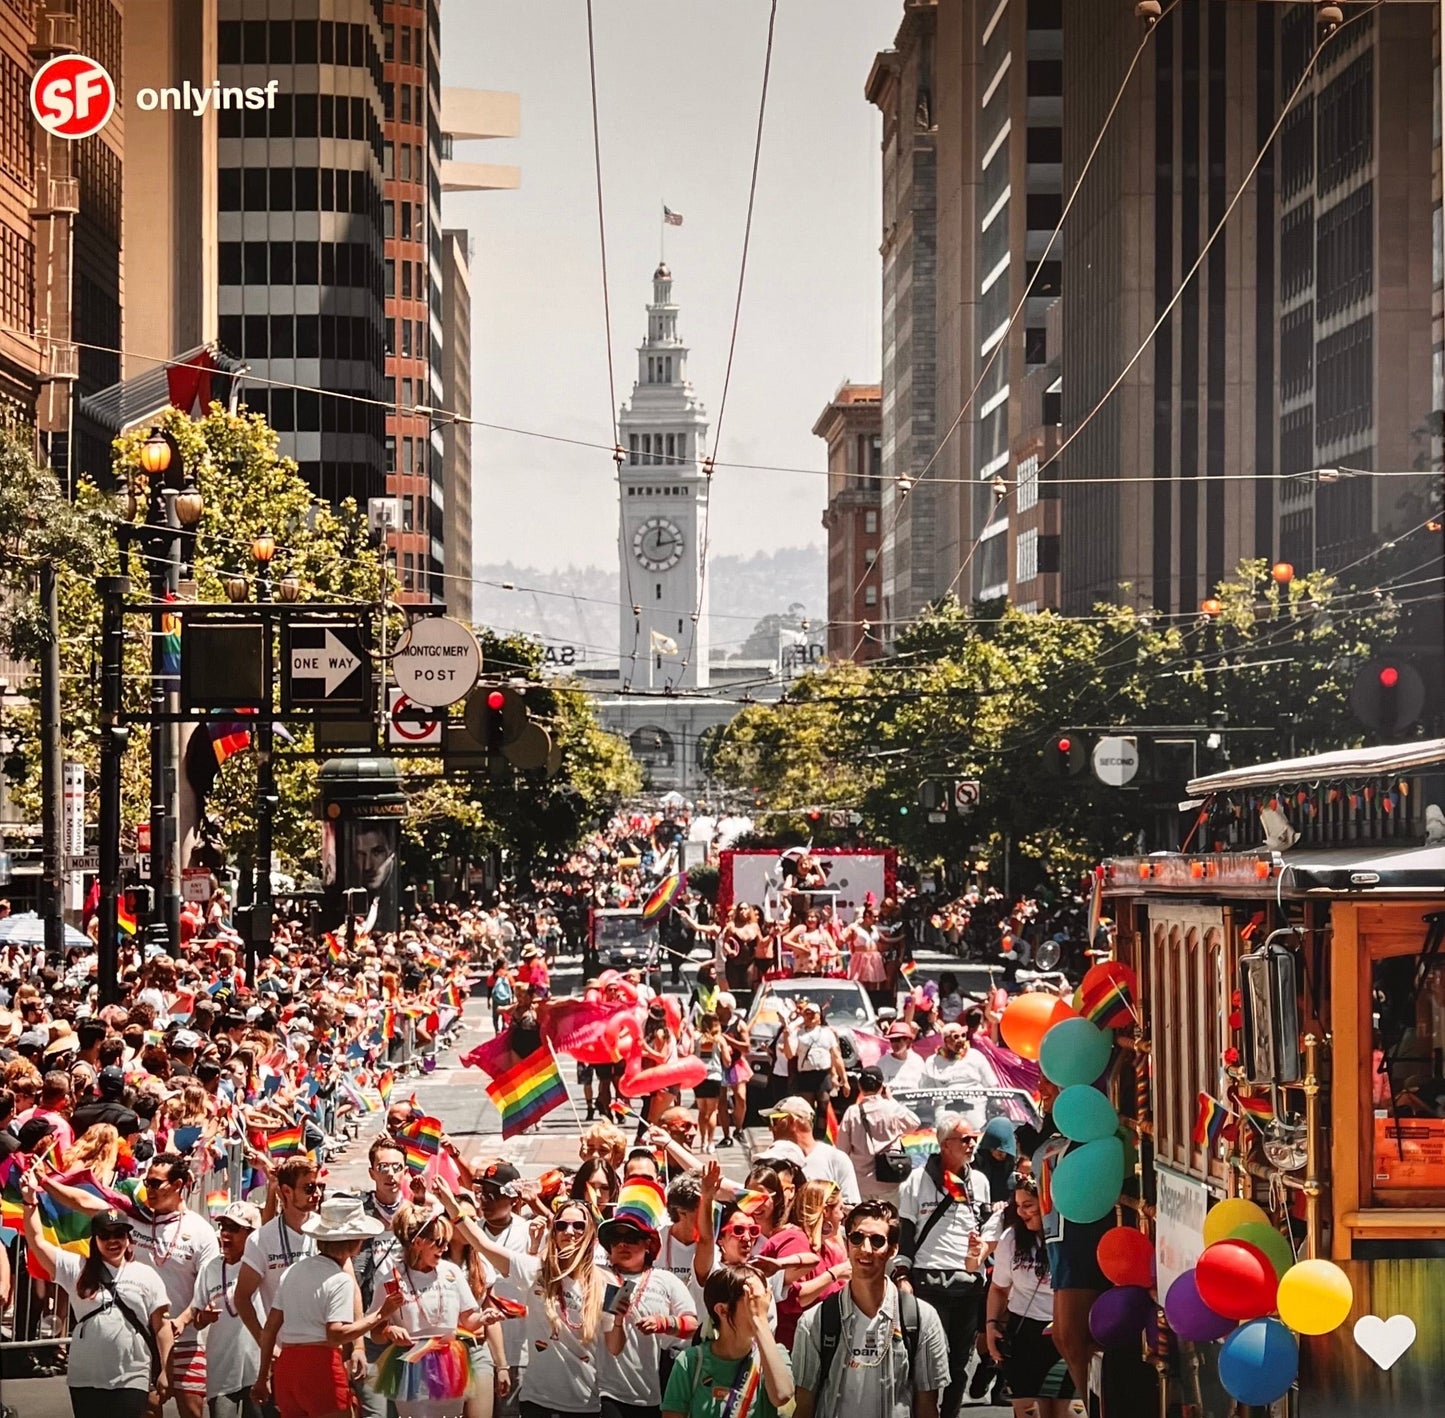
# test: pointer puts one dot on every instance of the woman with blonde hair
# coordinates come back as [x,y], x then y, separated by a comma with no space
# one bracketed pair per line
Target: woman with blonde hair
[563,1290]
[437,1300]
[97,1148]
[820,1218]
[606,1141]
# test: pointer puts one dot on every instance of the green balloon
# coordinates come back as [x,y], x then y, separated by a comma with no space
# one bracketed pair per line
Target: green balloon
[1083,1114]
[1087,1182]
[1075,1051]
[1267,1239]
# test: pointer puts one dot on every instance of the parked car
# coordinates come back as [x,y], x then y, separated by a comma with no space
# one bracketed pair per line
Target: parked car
[845,1006]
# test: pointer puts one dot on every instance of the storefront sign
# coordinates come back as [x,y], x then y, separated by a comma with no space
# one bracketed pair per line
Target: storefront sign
[1182,1205]
[1409,1152]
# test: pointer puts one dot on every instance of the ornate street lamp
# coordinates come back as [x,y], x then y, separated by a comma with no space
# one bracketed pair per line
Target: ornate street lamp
[155,453]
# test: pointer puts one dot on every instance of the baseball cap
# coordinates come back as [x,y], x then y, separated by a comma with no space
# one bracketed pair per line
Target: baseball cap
[109,1220]
[31,1039]
[781,1152]
[871,1080]
[794,1107]
[500,1175]
[243,1214]
[185,1039]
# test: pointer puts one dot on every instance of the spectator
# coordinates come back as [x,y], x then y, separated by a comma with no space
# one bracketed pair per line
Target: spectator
[872,1125]
[792,1123]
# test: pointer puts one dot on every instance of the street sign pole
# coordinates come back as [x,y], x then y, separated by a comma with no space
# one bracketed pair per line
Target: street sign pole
[113,736]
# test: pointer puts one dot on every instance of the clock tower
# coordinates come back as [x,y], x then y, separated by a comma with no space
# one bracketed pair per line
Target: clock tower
[662,495]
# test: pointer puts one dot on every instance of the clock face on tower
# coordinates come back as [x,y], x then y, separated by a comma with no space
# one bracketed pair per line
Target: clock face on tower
[657,544]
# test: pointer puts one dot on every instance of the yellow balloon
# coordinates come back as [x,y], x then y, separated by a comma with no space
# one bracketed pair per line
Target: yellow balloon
[1233,1212]
[1315,1297]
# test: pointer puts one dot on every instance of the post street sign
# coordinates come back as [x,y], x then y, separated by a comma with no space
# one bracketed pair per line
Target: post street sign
[324,665]
[437,663]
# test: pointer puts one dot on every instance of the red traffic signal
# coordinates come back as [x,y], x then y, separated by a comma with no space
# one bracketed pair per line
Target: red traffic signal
[496,700]
[1062,746]
[1388,695]
[1064,756]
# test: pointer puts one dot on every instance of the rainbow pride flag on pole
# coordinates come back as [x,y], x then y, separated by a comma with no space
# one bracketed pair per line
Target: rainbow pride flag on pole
[286,1142]
[920,1145]
[421,1140]
[526,1093]
[1210,1118]
[383,1087]
[666,892]
[334,952]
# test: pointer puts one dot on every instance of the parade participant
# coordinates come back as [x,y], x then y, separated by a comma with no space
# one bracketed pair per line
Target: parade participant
[317,1316]
[653,1307]
[436,1302]
[733,1109]
[606,1141]
[820,1214]
[902,1069]
[740,1372]
[737,944]
[792,1122]
[680,1234]
[283,1239]
[865,959]
[709,1046]
[176,1243]
[640,1162]
[564,1326]
[957,1065]
[807,942]
[869,1128]
[387,1166]
[997,1156]
[233,1358]
[941,1250]
[871,1348]
[705,992]
[1021,1312]
[596,1184]
[120,1339]
[814,1050]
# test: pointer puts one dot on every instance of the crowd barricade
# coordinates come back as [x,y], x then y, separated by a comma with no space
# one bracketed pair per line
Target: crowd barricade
[35,1325]
[229,1176]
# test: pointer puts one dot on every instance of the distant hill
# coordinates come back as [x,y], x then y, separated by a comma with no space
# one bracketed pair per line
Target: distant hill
[578,605]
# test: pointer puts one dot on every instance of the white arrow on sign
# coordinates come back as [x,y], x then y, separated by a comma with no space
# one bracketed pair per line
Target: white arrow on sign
[333,663]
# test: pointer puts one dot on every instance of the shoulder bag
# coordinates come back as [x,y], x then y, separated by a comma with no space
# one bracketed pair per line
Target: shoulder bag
[891,1162]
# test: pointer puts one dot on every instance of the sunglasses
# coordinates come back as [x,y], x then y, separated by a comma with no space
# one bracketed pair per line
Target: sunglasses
[743,1232]
[313,1188]
[867,1239]
[569,1225]
[116,1233]
[390,1169]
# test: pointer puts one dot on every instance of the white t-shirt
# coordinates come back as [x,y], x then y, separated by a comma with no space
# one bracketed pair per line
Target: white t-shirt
[815,1047]
[901,1074]
[973,1070]
[1029,1291]
[313,1293]
[947,1245]
[676,1258]
[825,1163]
[270,1252]
[106,1350]
[176,1246]
[561,1370]
[232,1357]
[632,1377]
[432,1300]
[516,1238]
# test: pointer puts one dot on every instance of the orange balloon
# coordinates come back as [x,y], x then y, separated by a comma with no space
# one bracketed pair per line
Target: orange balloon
[1029,1017]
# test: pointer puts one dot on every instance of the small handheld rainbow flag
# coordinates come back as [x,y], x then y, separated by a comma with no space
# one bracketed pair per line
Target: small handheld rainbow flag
[908,967]
[750,1202]
[664,894]
[12,1208]
[286,1142]
[388,1023]
[955,1187]
[1255,1105]
[334,952]
[511,1309]
[920,1144]
[217,1202]
[830,1122]
[421,1140]
[1210,1118]
[527,1092]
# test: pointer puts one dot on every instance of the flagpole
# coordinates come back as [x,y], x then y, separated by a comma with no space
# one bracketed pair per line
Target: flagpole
[662,236]
[571,1102]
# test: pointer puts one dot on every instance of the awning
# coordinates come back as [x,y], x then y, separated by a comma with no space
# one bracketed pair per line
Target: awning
[1412,871]
[1348,763]
[189,382]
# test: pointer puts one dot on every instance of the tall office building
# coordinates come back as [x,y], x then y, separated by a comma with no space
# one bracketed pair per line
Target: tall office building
[851,426]
[456,371]
[299,193]
[901,85]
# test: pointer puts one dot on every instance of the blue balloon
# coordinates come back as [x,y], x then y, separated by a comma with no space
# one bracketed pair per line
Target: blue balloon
[1087,1183]
[1259,1362]
[1083,1114]
[1075,1051]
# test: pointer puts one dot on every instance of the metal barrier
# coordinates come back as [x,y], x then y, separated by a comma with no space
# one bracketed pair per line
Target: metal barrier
[228,1177]
[35,1326]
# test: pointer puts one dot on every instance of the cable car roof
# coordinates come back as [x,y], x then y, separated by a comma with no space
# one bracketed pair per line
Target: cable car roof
[1347,763]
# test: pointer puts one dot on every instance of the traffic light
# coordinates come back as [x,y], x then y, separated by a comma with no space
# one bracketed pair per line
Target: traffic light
[496,717]
[1388,694]
[1064,756]
[932,796]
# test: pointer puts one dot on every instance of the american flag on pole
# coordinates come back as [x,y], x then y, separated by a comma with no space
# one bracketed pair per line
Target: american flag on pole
[670,217]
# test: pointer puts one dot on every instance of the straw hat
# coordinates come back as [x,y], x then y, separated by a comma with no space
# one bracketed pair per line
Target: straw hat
[341,1218]
[10,1028]
[63,1039]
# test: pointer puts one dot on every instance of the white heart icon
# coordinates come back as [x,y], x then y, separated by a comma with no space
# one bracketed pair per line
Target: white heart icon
[1384,1340]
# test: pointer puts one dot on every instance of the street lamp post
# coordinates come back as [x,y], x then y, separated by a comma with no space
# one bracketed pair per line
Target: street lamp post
[263,548]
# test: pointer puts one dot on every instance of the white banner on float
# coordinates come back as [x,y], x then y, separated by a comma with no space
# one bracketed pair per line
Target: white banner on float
[757,878]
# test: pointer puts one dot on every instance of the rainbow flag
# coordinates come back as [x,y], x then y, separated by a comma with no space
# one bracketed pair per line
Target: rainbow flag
[388,1023]
[749,1202]
[362,1103]
[664,894]
[920,1145]
[1210,1118]
[453,996]
[169,644]
[383,1087]
[830,1123]
[511,1309]
[12,1209]
[908,967]
[286,1142]
[421,1140]
[65,1229]
[1255,1106]
[334,952]
[217,1202]
[527,1092]
[124,917]
[955,1187]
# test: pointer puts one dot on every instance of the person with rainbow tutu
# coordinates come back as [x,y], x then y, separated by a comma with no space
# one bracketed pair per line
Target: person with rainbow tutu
[426,1368]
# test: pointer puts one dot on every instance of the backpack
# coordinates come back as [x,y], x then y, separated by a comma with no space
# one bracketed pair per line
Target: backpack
[502,991]
[832,1329]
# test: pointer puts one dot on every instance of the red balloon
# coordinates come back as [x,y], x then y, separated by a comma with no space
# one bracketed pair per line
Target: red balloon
[1236,1280]
[1126,1257]
[680,1073]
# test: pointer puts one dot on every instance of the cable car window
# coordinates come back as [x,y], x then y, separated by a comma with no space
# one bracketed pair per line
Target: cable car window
[1407,1074]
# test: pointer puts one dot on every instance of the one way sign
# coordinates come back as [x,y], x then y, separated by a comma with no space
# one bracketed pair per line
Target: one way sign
[325,666]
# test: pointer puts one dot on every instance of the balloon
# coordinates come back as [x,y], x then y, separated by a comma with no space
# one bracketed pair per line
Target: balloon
[1106,995]
[1236,1279]
[1268,1240]
[1118,1316]
[1228,1216]
[1131,1151]
[1259,1362]
[1087,1182]
[1126,1257]
[1189,1317]
[1315,1297]
[1083,1114]
[680,1073]
[1075,1051]
[1028,1018]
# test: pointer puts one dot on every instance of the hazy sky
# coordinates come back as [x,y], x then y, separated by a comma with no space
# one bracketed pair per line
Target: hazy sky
[678,91]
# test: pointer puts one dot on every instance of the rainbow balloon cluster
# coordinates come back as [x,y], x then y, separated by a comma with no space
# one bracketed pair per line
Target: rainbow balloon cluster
[1245,1277]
